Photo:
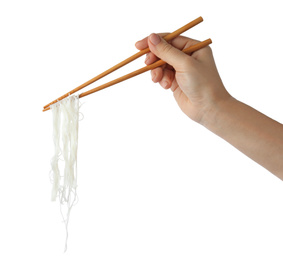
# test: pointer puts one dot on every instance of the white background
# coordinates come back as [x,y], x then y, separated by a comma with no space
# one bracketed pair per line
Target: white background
[152,183]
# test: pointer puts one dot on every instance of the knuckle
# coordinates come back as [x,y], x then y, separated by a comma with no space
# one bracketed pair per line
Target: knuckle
[208,50]
[167,48]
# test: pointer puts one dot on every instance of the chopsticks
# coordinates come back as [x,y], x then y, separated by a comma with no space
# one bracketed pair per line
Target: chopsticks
[168,37]
[152,66]
[156,64]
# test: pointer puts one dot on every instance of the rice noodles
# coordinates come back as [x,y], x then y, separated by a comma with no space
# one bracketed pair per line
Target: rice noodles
[65,137]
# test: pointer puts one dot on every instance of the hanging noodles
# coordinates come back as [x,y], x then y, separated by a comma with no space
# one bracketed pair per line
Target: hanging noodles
[65,138]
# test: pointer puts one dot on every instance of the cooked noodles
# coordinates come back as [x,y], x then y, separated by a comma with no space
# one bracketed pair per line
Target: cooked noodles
[64,162]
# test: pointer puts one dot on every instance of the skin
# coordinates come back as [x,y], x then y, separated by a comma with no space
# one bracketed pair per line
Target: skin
[201,95]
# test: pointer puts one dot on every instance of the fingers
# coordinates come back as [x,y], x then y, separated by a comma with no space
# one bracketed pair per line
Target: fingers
[150,58]
[183,42]
[165,77]
[143,44]
[157,74]
[167,52]
[180,43]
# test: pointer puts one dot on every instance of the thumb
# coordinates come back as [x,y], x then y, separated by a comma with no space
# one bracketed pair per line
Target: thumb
[167,52]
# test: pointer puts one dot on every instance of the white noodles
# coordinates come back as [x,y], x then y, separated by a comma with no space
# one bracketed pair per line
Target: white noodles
[65,138]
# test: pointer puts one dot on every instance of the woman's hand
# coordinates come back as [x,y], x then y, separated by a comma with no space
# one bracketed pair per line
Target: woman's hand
[194,79]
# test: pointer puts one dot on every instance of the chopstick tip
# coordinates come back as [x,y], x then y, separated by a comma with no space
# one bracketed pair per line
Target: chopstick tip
[45,109]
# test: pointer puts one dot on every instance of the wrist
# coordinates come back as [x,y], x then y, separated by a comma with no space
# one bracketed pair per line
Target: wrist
[216,112]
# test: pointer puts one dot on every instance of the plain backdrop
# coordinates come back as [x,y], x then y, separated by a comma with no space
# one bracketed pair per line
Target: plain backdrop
[152,184]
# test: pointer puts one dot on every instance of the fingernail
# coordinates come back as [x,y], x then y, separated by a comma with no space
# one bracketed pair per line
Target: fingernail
[154,39]
[164,84]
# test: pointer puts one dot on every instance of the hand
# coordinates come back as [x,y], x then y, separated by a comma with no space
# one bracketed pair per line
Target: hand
[194,79]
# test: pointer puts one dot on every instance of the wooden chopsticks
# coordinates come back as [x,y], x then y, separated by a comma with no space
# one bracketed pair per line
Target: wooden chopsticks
[154,65]
[168,37]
